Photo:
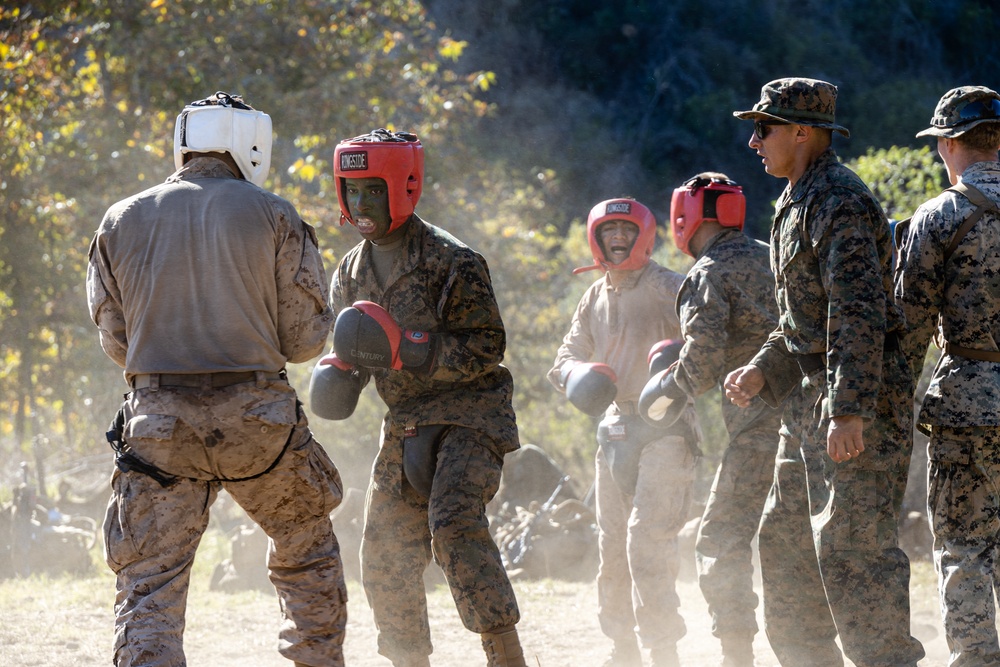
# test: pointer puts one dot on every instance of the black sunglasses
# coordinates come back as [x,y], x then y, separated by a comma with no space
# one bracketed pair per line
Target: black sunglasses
[762,128]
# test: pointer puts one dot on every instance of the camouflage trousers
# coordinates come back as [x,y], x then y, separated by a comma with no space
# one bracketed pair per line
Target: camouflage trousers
[724,548]
[636,582]
[403,531]
[963,499]
[828,541]
[151,532]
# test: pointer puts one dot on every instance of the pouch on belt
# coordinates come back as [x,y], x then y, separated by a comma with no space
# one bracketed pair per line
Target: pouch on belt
[622,439]
[420,450]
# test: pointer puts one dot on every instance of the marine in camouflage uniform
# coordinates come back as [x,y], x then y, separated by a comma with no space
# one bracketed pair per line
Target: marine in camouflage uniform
[203,288]
[948,283]
[429,281]
[727,310]
[618,319]
[846,428]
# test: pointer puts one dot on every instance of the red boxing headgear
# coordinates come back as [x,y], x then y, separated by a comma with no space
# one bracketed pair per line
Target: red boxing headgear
[621,209]
[705,198]
[395,157]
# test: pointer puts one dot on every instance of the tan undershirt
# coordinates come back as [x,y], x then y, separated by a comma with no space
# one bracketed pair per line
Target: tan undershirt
[383,257]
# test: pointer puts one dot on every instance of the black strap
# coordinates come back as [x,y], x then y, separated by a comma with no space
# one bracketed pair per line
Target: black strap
[970,353]
[983,204]
[384,135]
[127,461]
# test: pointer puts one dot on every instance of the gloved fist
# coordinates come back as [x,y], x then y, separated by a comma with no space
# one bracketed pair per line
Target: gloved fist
[663,354]
[662,400]
[366,335]
[335,387]
[590,387]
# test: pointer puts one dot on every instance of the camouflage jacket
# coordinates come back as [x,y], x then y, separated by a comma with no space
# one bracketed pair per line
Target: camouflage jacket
[206,273]
[961,296]
[831,253]
[441,286]
[726,309]
[617,326]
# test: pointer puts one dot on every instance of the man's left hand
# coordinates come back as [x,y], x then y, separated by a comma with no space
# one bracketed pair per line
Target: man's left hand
[844,438]
[366,335]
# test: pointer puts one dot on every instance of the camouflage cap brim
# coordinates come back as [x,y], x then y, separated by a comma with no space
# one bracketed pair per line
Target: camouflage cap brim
[797,100]
[758,115]
[961,109]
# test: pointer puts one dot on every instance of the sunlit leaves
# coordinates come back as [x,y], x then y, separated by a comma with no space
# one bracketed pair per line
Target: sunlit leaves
[451,48]
[88,100]
[483,80]
[304,168]
[902,178]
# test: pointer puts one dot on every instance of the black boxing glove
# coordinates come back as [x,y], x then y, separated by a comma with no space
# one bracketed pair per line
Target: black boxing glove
[335,387]
[663,354]
[590,386]
[662,400]
[365,334]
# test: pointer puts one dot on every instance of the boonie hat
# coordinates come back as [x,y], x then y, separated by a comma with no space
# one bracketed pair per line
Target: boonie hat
[961,109]
[797,100]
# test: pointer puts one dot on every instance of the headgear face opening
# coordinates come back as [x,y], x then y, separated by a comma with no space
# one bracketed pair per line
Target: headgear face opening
[395,157]
[224,123]
[621,209]
[700,199]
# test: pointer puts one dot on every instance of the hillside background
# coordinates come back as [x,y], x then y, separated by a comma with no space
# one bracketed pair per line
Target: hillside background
[530,112]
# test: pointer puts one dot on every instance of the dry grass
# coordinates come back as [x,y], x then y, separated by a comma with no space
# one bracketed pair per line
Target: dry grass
[67,622]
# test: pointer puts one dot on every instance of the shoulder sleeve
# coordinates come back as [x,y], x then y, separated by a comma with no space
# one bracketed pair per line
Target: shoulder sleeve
[578,343]
[919,278]
[343,290]
[858,299]
[105,303]
[472,340]
[304,316]
[703,310]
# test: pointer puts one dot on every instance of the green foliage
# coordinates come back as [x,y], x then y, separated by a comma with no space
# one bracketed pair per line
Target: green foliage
[901,178]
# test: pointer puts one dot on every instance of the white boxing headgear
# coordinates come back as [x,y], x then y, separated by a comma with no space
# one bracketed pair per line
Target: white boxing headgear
[224,123]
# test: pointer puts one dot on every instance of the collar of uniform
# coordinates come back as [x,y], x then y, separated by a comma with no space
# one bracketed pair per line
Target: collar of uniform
[987,166]
[722,237]
[625,279]
[202,167]
[813,172]
[410,234]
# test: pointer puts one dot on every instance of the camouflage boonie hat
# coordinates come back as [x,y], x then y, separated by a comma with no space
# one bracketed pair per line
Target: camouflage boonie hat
[797,100]
[961,109]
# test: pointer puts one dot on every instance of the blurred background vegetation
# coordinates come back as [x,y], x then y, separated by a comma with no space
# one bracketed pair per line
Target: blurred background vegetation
[530,113]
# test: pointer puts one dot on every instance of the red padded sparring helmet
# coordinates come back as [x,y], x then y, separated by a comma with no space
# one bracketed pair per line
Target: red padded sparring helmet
[705,197]
[621,209]
[395,157]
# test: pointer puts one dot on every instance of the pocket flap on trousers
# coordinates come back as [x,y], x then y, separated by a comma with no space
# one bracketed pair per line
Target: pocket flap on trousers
[278,413]
[153,427]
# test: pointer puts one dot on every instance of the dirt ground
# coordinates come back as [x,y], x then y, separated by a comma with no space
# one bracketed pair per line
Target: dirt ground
[66,622]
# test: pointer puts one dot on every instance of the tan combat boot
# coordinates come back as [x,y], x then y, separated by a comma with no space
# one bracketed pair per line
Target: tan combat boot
[503,648]
[665,656]
[625,653]
[412,661]
[737,650]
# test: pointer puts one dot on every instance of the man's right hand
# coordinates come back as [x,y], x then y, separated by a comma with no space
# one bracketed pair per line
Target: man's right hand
[662,400]
[743,384]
